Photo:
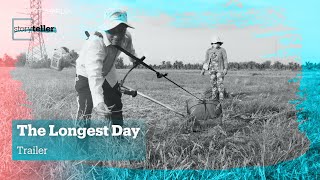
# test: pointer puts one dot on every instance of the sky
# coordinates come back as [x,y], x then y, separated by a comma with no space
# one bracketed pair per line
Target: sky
[180,30]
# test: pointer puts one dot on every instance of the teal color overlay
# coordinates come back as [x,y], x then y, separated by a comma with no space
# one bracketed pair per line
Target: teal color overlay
[306,166]
[82,144]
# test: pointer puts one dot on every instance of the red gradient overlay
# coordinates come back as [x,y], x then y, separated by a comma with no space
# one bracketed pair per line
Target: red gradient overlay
[13,106]
[13,100]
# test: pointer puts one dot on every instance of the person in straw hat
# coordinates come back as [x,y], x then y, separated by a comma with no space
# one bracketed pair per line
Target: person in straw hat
[216,63]
[96,77]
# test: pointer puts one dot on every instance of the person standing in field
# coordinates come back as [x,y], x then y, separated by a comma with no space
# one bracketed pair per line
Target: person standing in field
[96,80]
[216,63]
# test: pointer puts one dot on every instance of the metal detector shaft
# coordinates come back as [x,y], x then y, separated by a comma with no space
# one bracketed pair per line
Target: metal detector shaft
[159,75]
[151,99]
[155,101]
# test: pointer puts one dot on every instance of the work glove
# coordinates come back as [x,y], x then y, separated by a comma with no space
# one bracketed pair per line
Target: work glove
[102,109]
[135,63]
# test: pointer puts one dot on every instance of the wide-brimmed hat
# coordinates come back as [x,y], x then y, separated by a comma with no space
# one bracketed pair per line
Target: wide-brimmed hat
[113,18]
[216,39]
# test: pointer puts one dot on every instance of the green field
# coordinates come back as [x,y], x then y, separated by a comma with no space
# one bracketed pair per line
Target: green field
[259,125]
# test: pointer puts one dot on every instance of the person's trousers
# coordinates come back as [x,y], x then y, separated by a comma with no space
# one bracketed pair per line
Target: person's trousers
[112,97]
[216,79]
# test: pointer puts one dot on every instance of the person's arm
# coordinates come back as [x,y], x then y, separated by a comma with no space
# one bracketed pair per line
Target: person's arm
[207,57]
[225,61]
[205,61]
[129,46]
[94,64]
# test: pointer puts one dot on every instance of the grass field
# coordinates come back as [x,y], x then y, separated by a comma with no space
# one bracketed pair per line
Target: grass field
[259,125]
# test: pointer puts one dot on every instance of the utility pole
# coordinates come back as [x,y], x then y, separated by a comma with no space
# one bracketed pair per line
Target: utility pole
[36,49]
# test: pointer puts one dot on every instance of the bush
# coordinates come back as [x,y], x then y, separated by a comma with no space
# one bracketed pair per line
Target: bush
[44,63]
[7,61]
[21,59]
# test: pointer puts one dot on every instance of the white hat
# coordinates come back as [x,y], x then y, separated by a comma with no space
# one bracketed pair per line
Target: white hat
[216,39]
[113,18]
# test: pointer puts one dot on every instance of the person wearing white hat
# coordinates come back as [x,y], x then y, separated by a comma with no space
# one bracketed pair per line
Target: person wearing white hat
[96,80]
[216,63]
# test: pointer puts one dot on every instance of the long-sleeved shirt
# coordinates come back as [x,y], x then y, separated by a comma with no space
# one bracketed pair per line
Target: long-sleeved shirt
[97,62]
[217,55]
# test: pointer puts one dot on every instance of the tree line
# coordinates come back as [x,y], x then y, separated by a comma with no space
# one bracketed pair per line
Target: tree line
[8,61]
[231,65]
[20,60]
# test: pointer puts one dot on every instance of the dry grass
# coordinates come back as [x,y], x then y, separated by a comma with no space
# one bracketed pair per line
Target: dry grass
[259,126]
